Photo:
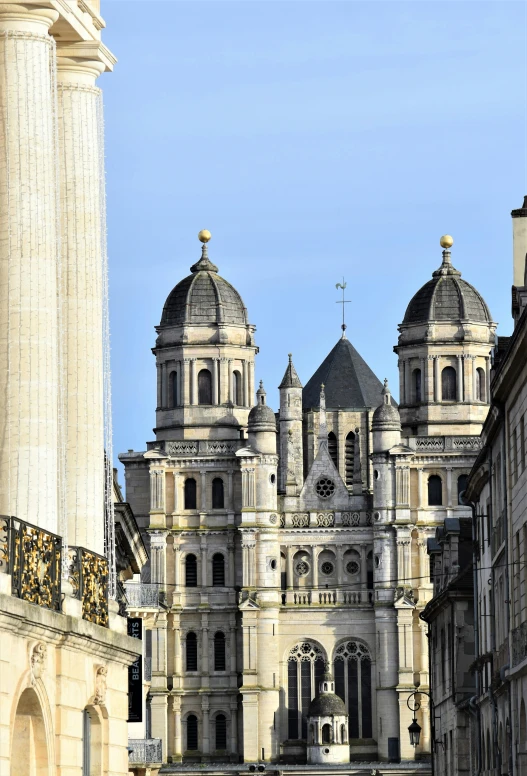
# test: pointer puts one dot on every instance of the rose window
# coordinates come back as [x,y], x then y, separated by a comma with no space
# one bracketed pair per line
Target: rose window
[327,567]
[325,487]
[302,568]
[352,567]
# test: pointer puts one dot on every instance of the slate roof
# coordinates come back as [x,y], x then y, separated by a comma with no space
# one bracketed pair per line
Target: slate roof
[290,378]
[348,381]
[203,297]
[327,705]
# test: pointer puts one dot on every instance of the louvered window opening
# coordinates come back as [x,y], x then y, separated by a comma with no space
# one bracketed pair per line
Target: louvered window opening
[221,732]
[218,500]
[333,448]
[191,571]
[190,493]
[219,651]
[192,732]
[350,457]
[192,652]
[218,570]
[204,387]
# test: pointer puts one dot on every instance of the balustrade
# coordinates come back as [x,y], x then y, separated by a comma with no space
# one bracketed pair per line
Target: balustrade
[143,751]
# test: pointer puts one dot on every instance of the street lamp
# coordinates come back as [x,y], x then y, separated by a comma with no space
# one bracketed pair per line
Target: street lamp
[415,728]
[415,732]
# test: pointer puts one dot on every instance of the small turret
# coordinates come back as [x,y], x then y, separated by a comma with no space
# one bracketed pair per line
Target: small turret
[262,424]
[327,721]
[291,450]
[386,423]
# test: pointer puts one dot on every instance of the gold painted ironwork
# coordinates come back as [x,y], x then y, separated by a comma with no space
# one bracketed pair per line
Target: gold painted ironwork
[33,558]
[89,578]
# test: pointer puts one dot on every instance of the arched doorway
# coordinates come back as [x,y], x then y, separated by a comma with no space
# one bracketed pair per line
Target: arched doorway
[29,751]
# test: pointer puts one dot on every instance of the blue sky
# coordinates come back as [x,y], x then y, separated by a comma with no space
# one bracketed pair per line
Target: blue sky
[315,140]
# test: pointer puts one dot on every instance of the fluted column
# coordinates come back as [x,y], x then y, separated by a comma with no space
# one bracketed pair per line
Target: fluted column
[246,402]
[28,268]
[193,382]
[215,380]
[460,380]
[81,171]
[437,380]
[290,553]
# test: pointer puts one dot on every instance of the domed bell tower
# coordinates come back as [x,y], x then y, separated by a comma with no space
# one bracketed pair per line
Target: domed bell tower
[444,355]
[205,358]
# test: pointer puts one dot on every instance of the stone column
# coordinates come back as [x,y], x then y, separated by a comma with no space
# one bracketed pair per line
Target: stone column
[234,730]
[437,380]
[232,398]
[407,383]
[487,379]
[252,398]
[424,376]
[176,707]
[363,567]
[206,726]
[474,379]
[232,648]
[215,381]
[205,649]
[449,486]
[185,379]
[204,562]
[224,380]
[419,488]
[193,382]
[159,393]
[245,384]
[203,491]
[338,553]
[159,711]
[290,553]
[231,579]
[460,381]
[164,385]
[176,490]
[314,563]
[177,566]
[230,491]
[29,364]
[430,384]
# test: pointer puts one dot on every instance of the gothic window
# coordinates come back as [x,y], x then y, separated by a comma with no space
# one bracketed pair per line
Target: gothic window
[352,672]
[237,388]
[218,570]
[192,652]
[417,386]
[191,571]
[219,651]
[204,387]
[305,669]
[190,493]
[221,732]
[435,491]
[326,734]
[350,457]
[218,501]
[192,732]
[462,482]
[172,390]
[480,384]
[333,448]
[449,384]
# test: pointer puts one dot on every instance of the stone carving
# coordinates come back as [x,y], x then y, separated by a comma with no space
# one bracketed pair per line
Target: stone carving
[300,521]
[36,662]
[352,650]
[282,521]
[435,444]
[100,685]
[181,448]
[368,518]
[273,519]
[325,520]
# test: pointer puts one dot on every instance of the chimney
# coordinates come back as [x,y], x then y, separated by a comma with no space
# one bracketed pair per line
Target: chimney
[519,243]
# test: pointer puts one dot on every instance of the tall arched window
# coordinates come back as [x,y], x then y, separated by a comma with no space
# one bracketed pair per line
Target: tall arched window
[221,732]
[192,652]
[192,732]
[435,491]
[191,571]
[204,387]
[237,388]
[190,493]
[218,501]
[218,570]
[352,672]
[481,393]
[219,651]
[462,482]
[305,669]
[326,733]
[172,390]
[449,384]
[417,386]
[333,448]
[350,457]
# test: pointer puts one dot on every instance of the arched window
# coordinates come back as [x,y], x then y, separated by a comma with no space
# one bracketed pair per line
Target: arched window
[192,732]
[305,669]
[218,501]
[221,732]
[218,570]
[435,491]
[326,734]
[237,388]
[192,652]
[352,672]
[204,387]
[481,393]
[333,448]
[350,457]
[462,482]
[219,651]
[190,493]
[449,384]
[191,571]
[172,390]
[417,386]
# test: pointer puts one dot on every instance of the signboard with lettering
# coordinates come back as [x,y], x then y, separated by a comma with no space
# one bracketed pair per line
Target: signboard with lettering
[135,675]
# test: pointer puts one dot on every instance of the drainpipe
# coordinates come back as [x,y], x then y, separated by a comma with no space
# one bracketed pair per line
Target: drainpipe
[472,704]
[507,575]
[493,629]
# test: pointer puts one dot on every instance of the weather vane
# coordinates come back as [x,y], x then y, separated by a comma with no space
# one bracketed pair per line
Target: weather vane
[343,302]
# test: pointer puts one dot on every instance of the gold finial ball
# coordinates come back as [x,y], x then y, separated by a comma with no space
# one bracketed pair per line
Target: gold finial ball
[446,241]
[204,236]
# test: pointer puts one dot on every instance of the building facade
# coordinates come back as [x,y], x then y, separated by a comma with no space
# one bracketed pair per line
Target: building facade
[65,651]
[285,544]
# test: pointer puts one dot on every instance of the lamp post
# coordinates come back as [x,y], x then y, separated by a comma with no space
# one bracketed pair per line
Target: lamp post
[414,729]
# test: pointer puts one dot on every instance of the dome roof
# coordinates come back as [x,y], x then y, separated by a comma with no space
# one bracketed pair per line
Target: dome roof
[447,298]
[327,704]
[386,416]
[261,416]
[203,297]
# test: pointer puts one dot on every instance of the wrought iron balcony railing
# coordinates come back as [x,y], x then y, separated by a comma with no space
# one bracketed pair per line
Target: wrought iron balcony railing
[33,557]
[142,751]
[89,577]
[144,596]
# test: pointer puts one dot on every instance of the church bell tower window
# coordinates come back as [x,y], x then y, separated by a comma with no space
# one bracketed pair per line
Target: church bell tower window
[417,386]
[449,384]
[480,384]
[172,389]
[190,493]
[333,448]
[435,491]
[350,457]
[217,493]
[191,571]
[237,393]
[218,570]
[204,387]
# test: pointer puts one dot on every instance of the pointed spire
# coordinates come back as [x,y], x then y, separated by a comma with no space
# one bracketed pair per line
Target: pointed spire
[290,378]
[204,264]
[323,426]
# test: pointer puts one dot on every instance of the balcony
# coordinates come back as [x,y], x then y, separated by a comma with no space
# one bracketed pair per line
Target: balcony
[89,578]
[33,558]
[327,598]
[144,751]
[144,596]
[519,644]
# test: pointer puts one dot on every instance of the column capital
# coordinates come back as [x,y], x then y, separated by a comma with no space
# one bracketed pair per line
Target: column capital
[83,61]
[28,19]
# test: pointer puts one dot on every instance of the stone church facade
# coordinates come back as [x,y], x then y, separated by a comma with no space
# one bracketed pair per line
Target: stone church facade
[286,545]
